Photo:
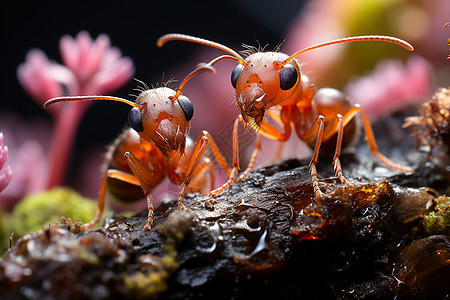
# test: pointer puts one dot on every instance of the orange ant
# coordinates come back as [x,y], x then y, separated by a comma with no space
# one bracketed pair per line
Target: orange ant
[155,147]
[272,79]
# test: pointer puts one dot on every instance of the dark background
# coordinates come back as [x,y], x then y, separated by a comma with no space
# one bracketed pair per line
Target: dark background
[133,27]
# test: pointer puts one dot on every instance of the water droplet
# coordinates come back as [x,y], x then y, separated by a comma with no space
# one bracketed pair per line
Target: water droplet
[244,225]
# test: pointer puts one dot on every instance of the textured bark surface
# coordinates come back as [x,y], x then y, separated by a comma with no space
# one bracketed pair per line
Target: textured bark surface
[264,238]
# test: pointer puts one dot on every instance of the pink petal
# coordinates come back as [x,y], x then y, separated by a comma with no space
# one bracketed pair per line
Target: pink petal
[5,177]
[99,49]
[3,155]
[36,78]
[90,61]
[69,52]
[3,152]
[65,77]
[84,43]
[420,76]
[112,78]
[391,85]
[111,56]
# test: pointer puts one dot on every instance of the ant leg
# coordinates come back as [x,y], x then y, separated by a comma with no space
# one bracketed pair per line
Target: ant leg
[216,153]
[277,118]
[235,169]
[145,177]
[194,161]
[101,199]
[373,144]
[332,128]
[274,115]
[198,181]
[273,133]
[212,176]
[316,131]
[253,158]
[270,132]
[337,152]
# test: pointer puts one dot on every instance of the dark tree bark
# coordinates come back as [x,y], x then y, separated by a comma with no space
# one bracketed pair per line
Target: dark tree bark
[264,238]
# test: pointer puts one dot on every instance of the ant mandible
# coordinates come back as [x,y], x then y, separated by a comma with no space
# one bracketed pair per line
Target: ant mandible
[273,79]
[155,146]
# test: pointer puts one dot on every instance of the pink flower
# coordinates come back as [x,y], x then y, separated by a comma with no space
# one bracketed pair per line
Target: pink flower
[44,79]
[92,67]
[27,157]
[5,175]
[417,21]
[98,67]
[392,85]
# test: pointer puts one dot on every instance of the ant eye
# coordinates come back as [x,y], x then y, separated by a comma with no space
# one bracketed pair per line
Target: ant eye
[288,77]
[135,119]
[186,106]
[235,74]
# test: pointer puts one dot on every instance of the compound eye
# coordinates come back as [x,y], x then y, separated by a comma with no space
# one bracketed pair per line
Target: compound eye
[235,74]
[288,77]
[186,106]
[135,119]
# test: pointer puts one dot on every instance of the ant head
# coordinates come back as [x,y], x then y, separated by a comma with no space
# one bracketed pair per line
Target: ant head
[261,84]
[161,116]
[161,120]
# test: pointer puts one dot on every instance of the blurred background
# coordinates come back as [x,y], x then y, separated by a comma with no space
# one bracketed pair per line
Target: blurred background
[361,69]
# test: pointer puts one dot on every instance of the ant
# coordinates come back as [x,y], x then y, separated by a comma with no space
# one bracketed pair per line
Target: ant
[155,147]
[272,79]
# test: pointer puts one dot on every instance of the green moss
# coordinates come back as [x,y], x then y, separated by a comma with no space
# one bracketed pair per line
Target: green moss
[146,285]
[39,210]
[151,280]
[438,221]
[5,232]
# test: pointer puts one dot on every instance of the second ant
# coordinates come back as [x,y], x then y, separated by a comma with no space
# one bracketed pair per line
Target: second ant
[324,119]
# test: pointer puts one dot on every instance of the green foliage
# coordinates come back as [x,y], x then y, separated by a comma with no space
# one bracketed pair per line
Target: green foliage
[151,279]
[438,221]
[37,211]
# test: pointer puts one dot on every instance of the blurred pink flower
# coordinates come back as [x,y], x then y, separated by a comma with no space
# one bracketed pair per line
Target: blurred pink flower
[92,67]
[27,157]
[99,68]
[5,175]
[392,85]
[44,79]
[417,21]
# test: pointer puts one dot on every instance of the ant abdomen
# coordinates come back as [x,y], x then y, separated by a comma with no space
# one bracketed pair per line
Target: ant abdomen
[330,102]
[128,141]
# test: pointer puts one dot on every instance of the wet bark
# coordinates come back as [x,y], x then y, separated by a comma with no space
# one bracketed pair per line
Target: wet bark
[264,238]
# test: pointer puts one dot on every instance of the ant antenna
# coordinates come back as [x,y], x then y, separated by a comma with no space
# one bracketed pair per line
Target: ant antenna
[381,38]
[91,98]
[200,68]
[187,38]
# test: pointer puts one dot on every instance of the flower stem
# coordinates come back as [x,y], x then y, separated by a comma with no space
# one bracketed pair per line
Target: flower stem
[66,124]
